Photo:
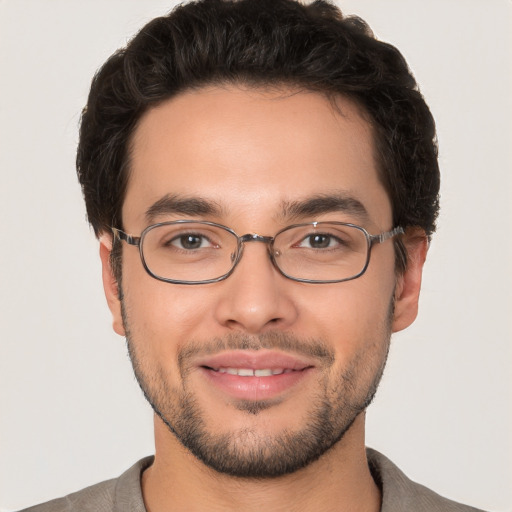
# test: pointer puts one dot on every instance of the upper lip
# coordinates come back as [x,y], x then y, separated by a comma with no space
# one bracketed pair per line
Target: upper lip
[256,360]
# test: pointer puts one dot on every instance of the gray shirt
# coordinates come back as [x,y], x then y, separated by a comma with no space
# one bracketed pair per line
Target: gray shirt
[124,494]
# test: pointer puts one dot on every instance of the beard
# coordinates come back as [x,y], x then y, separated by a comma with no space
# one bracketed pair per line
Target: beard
[248,452]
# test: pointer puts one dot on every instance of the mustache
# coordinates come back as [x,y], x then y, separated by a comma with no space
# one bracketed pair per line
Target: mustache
[285,342]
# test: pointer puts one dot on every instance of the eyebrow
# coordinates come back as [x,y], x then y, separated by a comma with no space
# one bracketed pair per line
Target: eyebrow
[174,204]
[324,203]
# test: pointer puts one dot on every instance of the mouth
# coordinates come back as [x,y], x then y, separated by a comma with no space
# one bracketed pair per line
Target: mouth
[250,372]
[254,376]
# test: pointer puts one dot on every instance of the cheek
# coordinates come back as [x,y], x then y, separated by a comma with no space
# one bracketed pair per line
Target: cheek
[160,321]
[351,315]
[161,315]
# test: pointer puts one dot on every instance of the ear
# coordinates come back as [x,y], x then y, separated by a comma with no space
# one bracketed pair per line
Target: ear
[110,285]
[408,286]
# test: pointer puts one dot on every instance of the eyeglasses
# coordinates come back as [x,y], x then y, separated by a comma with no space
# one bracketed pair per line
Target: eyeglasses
[201,252]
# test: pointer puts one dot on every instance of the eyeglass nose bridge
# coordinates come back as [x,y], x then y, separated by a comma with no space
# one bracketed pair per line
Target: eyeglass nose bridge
[254,237]
[251,237]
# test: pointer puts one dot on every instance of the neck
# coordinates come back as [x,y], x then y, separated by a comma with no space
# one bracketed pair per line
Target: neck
[339,481]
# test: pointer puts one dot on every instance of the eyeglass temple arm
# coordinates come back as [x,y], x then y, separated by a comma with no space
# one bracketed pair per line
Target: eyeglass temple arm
[129,239]
[378,239]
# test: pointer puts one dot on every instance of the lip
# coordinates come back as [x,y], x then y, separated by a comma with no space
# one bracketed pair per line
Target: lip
[290,371]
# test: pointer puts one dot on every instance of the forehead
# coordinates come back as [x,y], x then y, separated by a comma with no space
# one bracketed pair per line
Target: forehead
[251,152]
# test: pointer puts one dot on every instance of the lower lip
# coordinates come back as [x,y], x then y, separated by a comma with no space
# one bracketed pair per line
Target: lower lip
[255,388]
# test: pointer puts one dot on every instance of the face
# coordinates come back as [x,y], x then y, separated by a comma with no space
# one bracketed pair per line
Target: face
[258,375]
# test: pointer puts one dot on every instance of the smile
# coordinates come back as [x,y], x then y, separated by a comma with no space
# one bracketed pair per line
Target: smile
[255,375]
[249,372]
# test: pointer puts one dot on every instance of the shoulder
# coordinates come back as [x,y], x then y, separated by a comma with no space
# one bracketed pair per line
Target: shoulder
[400,494]
[121,494]
[99,497]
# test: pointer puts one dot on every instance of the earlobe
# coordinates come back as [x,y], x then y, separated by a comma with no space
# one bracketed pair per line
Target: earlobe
[408,286]
[110,285]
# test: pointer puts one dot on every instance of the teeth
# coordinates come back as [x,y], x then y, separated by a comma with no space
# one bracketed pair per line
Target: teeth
[263,373]
[249,372]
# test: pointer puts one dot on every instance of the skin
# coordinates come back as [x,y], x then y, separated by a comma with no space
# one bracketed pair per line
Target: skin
[250,150]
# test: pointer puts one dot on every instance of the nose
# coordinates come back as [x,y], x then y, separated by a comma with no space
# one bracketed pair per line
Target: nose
[256,297]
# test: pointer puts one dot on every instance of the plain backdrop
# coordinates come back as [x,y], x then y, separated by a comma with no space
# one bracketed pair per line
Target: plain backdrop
[71,413]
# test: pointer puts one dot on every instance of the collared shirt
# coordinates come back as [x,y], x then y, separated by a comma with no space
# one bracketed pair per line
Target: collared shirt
[124,494]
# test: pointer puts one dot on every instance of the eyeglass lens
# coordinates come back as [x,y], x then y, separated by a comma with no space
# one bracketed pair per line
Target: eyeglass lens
[196,252]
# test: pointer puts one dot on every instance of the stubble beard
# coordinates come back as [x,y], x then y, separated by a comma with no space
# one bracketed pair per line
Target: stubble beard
[247,453]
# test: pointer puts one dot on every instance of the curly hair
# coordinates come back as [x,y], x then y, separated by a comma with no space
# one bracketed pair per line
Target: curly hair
[263,43]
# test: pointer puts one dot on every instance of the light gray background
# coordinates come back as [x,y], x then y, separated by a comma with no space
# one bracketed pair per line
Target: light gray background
[71,413]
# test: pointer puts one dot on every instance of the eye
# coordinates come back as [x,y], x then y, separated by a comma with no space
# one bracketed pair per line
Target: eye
[190,241]
[320,241]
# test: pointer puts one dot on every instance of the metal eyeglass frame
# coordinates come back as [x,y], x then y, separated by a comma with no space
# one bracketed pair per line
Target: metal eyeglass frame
[253,237]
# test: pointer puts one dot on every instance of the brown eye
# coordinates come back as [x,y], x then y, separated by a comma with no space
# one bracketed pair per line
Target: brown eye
[319,241]
[189,242]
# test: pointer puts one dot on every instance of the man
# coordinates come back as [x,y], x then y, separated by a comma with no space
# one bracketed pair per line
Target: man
[263,180]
